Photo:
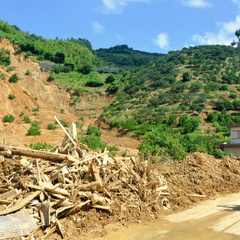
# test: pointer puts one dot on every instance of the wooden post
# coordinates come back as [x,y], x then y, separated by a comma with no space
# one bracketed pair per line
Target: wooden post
[73,133]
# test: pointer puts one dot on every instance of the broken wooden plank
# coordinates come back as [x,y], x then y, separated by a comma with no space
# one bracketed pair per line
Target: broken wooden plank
[106,208]
[196,195]
[50,188]
[11,194]
[6,153]
[20,204]
[90,186]
[3,201]
[95,172]
[73,134]
[44,209]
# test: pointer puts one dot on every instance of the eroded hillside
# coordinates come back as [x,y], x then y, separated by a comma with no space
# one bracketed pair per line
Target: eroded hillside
[35,98]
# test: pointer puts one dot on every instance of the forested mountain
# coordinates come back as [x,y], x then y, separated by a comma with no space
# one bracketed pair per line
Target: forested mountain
[122,55]
[176,103]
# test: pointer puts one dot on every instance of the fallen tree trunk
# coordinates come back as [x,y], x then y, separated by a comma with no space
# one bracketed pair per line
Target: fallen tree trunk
[38,154]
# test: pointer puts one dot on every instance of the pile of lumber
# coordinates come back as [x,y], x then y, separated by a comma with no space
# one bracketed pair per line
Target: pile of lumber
[52,186]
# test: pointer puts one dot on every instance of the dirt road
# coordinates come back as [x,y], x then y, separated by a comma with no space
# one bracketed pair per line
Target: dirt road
[214,219]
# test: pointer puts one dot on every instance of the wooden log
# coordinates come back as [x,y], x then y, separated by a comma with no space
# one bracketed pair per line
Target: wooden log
[6,153]
[39,154]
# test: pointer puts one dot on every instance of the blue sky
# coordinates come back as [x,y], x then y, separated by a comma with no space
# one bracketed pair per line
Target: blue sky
[147,25]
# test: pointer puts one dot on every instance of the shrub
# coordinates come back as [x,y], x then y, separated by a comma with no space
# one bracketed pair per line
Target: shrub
[60,68]
[41,145]
[11,96]
[188,124]
[94,131]
[35,123]
[9,69]
[94,141]
[51,78]
[63,122]
[35,109]
[2,76]
[79,91]
[224,87]
[21,114]
[4,57]
[51,126]
[13,78]
[8,118]
[34,131]
[195,87]
[162,139]
[94,83]
[85,68]
[27,73]
[26,119]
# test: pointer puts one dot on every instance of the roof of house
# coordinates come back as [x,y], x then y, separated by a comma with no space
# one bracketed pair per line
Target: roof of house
[229,145]
[233,126]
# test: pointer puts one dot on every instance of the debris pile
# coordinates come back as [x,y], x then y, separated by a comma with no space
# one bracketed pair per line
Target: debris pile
[53,186]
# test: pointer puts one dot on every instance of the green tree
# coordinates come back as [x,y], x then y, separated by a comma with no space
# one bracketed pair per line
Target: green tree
[110,79]
[85,68]
[59,57]
[187,76]
[237,34]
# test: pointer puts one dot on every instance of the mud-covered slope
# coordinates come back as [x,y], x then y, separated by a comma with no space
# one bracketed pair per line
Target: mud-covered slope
[31,92]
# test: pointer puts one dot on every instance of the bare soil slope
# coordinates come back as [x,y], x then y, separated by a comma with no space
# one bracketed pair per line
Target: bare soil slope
[31,92]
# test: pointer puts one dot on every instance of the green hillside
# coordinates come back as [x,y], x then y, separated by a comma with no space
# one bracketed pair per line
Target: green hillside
[182,102]
[176,103]
[123,56]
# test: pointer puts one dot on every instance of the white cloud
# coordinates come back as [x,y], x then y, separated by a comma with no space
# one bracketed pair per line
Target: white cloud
[116,6]
[119,37]
[196,3]
[162,41]
[224,36]
[237,2]
[97,27]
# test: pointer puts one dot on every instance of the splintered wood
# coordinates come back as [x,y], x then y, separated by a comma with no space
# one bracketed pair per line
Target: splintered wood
[56,185]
